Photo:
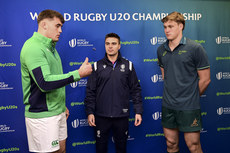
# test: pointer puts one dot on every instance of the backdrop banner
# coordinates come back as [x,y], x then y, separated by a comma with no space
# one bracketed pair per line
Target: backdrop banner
[139,25]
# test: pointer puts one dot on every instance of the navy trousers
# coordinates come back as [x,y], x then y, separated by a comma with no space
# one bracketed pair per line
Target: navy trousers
[119,127]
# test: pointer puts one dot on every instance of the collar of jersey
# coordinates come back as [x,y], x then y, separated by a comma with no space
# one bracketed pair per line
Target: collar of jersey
[118,58]
[182,42]
[46,41]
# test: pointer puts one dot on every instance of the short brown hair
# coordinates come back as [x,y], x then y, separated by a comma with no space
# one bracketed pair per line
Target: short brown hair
[175,16]
[50,14]
[113,35]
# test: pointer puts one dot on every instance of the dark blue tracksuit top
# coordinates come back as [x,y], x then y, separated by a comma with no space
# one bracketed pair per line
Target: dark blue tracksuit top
[110,87]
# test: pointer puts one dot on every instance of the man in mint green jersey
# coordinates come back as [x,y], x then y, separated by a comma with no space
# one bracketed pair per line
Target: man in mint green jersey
[44,84]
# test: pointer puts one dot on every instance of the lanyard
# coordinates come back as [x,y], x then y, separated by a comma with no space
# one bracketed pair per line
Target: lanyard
[114,65]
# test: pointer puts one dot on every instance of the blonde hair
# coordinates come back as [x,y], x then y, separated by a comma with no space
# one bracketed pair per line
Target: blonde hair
[175,16]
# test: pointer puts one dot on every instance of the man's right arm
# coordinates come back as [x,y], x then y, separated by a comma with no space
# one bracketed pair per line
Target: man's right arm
[85,69]
[39,69]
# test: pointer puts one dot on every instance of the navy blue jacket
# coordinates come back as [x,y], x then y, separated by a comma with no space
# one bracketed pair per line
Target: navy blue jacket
[110,87]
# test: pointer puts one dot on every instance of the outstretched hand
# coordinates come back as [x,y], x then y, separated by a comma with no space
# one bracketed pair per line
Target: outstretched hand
[85,69]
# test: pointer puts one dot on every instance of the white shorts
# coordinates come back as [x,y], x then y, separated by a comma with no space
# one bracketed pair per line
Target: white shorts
[44,134]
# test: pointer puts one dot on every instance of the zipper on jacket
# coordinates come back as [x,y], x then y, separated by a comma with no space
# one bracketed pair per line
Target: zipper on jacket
[114,65]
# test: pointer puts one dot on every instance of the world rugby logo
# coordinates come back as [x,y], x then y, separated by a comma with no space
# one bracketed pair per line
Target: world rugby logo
[220,111]
[72,43]
[218,40]
[219,75]
[153,41]
[156,115]
[75,123]
[154,78]
[74,84]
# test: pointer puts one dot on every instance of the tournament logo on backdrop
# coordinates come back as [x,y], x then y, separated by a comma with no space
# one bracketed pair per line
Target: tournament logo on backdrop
[153,41]
[223,75]
[4,128]
[79,123]
[73,42]
[218,40]
[75,123]
[219,75]
[3,43]
[4,86]
[221,110]
[157,78]
[73,85]
[158,40]
[222,40]
[83,42]
[157,115]
[79,43]
[80,83]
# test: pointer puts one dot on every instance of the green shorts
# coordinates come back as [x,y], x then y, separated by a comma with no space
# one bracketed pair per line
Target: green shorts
[184,120]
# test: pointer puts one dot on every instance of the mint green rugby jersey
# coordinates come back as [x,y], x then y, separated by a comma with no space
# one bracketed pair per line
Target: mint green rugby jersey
[43,81]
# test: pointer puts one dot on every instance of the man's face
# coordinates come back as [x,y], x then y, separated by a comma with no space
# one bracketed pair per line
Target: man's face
[53,28]
[172,29]
[112,46]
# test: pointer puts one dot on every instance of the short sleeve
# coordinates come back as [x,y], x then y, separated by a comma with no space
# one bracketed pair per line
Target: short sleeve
[201,58]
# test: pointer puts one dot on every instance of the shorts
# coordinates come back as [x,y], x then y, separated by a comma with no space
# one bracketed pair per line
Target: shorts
[184,120]
[44,134]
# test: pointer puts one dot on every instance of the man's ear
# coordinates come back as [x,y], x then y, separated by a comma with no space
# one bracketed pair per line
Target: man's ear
[181,26]
[43,25]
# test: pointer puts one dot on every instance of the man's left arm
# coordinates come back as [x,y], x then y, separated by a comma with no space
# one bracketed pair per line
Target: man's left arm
[138,119]
[204,79]
[136,96]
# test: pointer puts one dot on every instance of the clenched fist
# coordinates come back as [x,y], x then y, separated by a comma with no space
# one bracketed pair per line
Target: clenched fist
[85,69]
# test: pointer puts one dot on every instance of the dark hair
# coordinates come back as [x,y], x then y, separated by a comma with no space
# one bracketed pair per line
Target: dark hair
[50,14]
[175,16]
[113,35]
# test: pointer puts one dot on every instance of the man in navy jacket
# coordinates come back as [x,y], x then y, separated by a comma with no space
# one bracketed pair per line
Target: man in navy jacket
[109,88]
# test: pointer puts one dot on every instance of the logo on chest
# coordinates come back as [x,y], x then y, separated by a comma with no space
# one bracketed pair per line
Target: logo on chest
[182,52]
[122,68]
